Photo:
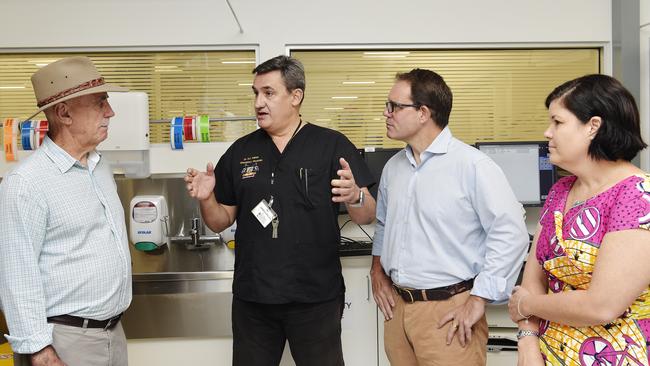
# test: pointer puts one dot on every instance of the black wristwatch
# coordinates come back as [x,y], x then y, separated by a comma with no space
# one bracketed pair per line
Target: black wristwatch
[359,203]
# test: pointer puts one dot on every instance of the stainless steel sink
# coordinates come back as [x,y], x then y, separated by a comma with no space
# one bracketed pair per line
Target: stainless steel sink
[177,258]
[181,293]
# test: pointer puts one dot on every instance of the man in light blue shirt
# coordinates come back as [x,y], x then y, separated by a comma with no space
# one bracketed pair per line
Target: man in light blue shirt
[450,234]
[65,268]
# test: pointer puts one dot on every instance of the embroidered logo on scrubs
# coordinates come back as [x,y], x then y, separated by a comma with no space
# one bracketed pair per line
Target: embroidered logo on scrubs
[250,167]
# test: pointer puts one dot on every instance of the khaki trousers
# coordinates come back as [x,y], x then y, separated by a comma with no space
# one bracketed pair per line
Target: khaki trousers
[86,347]
[412,337]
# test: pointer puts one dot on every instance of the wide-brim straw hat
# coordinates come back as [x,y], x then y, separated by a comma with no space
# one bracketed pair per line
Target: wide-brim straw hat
[68,78]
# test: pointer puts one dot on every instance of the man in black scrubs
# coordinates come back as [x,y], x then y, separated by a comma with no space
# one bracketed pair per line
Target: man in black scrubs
[283,184]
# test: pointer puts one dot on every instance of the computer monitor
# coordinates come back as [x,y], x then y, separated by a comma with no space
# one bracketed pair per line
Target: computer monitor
[527,167]
[376,158]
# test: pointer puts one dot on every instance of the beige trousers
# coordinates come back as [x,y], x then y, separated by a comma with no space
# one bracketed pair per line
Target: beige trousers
[412,337]
[86,347]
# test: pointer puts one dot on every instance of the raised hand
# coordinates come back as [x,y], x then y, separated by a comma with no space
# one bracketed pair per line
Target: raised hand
[200,185]
[345,189]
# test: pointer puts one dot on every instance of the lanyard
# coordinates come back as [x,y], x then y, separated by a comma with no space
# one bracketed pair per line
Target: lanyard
[282,155]
[276,220]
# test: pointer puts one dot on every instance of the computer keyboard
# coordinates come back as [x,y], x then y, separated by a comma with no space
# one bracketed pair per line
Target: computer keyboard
[352,248]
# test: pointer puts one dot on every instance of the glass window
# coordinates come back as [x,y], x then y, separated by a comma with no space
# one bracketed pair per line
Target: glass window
[498,93]
[216,83]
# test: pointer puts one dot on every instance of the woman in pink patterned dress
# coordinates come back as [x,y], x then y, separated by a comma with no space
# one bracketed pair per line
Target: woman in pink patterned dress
[585,295]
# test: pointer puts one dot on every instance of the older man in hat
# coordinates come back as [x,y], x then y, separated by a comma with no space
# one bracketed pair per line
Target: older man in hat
[65,268]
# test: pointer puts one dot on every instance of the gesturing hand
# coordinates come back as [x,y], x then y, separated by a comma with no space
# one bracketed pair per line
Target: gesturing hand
[345,189]
[200,184]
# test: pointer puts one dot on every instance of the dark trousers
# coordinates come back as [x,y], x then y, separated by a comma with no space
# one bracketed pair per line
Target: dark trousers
[313,331]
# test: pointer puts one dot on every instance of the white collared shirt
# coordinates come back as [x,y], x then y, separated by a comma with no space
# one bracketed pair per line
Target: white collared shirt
[64,246]
[449,219]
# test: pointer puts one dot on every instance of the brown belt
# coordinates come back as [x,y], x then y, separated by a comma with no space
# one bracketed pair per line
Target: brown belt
[75,321]
[434,294]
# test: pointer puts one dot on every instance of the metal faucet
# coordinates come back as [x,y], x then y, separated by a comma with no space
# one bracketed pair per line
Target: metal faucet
[196,241]
[194,233]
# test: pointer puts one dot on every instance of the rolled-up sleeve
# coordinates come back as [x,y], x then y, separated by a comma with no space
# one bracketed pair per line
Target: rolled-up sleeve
[506,242]
[23,219]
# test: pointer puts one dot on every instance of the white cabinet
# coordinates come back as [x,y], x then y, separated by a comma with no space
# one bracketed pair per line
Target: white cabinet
[359,324]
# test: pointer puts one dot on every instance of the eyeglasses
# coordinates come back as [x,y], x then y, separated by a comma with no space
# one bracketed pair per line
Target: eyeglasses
[390,106]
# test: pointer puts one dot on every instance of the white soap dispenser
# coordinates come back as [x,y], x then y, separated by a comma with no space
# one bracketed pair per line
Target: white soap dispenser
[148,222]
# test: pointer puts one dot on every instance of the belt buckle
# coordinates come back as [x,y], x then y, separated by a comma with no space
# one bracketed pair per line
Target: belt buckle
[410,295]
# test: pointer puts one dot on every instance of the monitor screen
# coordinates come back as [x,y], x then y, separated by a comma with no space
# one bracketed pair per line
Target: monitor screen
[527,167]
[376,158]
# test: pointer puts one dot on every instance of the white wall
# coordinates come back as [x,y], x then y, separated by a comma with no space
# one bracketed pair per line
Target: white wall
[274,24]
[644,12]
[644,103]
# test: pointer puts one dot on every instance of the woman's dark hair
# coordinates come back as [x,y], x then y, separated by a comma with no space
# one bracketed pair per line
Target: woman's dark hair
[619,135]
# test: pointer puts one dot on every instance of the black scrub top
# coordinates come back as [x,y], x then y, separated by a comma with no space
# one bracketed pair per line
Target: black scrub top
[302,264]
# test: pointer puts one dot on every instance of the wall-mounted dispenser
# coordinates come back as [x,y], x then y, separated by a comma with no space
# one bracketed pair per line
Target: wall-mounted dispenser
[148,222]
[127,146]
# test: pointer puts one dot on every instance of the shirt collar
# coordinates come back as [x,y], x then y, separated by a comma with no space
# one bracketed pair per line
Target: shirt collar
[93,159]
[440,145]
[63,160]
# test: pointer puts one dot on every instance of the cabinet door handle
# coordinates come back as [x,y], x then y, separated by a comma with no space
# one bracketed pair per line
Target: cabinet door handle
[367,288]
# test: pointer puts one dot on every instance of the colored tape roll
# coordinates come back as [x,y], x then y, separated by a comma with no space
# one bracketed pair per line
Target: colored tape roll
[176,133]
[189,123]
[204,128]
[10,135]
[177,121]
[26,135]
[40,130]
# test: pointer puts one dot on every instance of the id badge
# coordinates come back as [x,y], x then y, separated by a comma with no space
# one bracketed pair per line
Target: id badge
[264,213]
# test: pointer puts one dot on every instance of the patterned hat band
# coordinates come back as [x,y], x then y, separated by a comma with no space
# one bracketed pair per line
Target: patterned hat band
[76,89]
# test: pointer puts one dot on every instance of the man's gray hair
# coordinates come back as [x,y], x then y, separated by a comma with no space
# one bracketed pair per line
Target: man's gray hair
[293,73]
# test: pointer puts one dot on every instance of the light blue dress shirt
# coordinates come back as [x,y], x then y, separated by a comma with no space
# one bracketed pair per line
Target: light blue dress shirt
[449,219]
[63,247]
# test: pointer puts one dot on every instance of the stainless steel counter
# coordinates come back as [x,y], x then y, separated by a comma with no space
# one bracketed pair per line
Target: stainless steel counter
[181,293]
